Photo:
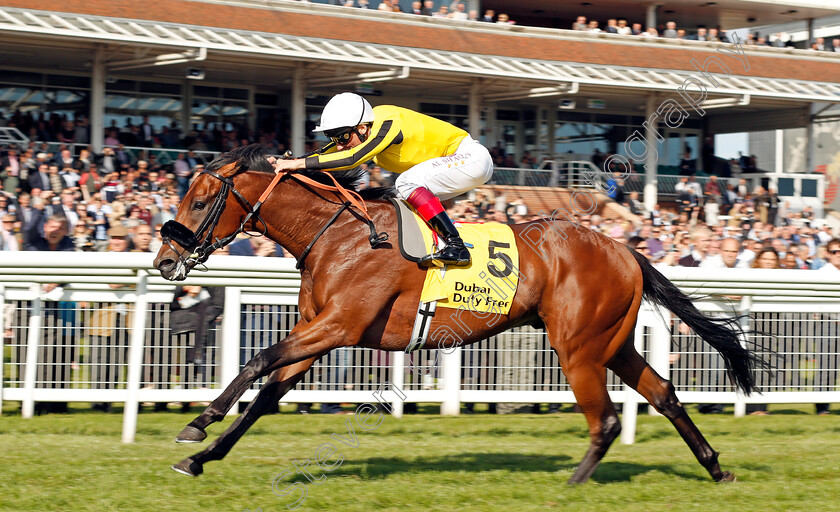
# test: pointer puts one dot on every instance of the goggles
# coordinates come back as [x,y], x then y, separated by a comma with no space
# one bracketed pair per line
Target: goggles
[341,136]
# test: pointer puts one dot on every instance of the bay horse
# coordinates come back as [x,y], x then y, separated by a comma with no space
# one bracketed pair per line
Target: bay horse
[584,288]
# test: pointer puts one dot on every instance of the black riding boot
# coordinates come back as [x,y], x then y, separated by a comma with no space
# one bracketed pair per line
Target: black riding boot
[455,253]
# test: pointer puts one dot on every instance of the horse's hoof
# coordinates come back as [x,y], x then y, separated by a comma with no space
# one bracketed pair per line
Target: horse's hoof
[191,435]
[727,477]
[188,467]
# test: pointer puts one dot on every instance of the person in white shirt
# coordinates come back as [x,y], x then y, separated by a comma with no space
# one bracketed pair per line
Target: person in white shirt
[8,242]
[833,264]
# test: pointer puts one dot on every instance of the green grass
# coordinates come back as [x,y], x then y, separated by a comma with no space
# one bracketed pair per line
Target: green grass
[76,462]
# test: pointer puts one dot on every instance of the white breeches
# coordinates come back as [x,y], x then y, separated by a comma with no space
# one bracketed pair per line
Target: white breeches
[449,176]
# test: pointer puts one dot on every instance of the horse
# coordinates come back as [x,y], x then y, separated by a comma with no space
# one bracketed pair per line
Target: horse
[357,290]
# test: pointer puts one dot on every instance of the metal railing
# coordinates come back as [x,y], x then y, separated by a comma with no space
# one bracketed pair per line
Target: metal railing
[11,135]
[89,342]
[797,188]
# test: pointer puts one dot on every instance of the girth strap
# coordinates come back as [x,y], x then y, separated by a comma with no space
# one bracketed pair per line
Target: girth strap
[300,262]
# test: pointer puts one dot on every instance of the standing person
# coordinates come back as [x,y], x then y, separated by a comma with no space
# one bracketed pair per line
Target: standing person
[90,182]
[109,331]
[433,158]
[765,258]
[825,377]
[183,172]
[58,348]
[194,309]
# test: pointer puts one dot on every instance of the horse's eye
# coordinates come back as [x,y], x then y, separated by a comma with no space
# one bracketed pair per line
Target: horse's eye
[199,205]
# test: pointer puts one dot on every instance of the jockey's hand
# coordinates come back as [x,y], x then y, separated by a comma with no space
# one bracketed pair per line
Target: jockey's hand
[294,164]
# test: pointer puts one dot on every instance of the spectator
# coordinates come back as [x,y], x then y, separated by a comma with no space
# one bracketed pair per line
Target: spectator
[504,19]
[636,29]
[428,7]
[580,24]
[651,32]
[593,26]
[61,349]
[634,205]
[11,168]
[142,238]
[40,179]
[460,12]
[623,29]
[820,44]
[612,26]
[700,239]
[615,187]
[90,182]
[700,35]
[8,242]
[195,310]
[108,345]
[670,31]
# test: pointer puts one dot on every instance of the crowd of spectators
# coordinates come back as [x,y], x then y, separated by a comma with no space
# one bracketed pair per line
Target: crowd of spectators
[76,132]
[61,201]
[457,9]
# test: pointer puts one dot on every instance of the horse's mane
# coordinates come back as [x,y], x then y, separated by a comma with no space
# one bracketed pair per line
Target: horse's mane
[253,158]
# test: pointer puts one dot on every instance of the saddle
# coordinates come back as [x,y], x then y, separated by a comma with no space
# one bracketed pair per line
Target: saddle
[412,245]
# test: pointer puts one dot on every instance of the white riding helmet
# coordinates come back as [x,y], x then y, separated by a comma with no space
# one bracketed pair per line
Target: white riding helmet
[343,111]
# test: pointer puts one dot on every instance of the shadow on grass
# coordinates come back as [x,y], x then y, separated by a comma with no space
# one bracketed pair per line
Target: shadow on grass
[375,468]
[609,472]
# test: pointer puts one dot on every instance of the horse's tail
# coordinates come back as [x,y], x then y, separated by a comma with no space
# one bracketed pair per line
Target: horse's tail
[724,334]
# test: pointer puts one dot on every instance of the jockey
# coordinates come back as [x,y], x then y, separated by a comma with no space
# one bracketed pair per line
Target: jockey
[433,158]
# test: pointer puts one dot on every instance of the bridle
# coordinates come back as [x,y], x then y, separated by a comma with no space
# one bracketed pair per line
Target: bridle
[197,252]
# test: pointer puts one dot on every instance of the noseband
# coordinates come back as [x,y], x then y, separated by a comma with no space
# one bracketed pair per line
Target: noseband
[196,252]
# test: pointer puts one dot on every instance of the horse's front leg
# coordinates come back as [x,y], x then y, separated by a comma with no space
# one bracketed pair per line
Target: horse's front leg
[278,384]
[308,340]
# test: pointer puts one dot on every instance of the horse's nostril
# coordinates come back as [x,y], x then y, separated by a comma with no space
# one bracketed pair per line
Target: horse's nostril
[166,264]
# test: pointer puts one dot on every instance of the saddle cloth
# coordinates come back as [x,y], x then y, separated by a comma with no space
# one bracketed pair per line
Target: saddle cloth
[488,285]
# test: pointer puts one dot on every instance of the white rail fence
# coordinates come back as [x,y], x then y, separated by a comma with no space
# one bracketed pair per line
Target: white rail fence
[91,342]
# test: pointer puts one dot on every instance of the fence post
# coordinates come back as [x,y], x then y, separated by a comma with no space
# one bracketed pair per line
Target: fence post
[660,346]
[743,309]
[451,405]
[135,358]
[34,335]
[630,406]
[398,380]
[230,340]
[2,340]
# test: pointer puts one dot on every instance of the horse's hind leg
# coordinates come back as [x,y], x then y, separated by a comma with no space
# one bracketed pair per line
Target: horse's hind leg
[589,383]
[636,373]
[277,385]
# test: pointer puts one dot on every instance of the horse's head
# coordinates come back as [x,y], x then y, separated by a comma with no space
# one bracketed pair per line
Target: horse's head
[211,214]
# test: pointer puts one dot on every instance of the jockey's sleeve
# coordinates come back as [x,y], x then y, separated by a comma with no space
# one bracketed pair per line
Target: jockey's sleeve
[382,136]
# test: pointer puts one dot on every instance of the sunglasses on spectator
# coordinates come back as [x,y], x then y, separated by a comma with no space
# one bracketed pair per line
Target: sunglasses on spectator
[834,252]
[641,247]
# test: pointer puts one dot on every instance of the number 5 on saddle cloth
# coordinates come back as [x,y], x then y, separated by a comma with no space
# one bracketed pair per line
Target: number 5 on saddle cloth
[487,286]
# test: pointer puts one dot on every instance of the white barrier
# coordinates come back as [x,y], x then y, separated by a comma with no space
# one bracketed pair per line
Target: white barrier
[259,308]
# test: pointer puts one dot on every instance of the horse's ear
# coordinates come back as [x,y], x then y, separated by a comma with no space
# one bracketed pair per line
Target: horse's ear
[228,170]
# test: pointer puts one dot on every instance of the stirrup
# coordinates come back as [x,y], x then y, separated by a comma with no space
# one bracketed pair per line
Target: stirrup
[441,259]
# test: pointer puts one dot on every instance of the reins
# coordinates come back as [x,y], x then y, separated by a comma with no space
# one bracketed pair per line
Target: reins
[198,250]
[351,198]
